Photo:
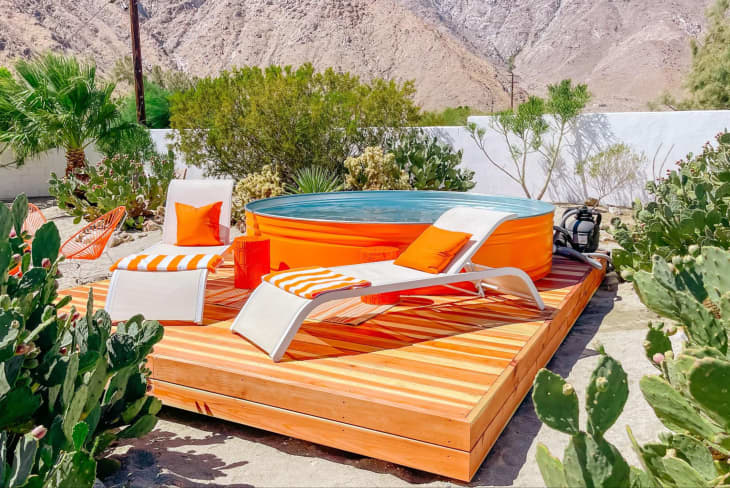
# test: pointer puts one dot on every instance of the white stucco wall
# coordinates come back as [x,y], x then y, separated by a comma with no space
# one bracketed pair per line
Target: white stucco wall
[32,177]
[669,135]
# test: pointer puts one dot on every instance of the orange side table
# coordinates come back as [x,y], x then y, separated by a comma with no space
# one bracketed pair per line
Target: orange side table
[380,253]
[252,260]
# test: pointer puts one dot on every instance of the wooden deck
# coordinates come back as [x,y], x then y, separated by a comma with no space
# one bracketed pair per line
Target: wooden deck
[428,384]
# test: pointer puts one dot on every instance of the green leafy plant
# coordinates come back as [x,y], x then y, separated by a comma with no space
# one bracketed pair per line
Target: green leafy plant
[315,179]
[56,102]
[525,129]
[113,182]
[429,164]
[610,171]
[375,170]
[69,385]
[689,207]
[244,119]
[690,396]
[261,184]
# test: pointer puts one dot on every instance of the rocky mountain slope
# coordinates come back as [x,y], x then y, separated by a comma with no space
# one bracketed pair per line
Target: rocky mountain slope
[626,50]
[457,51]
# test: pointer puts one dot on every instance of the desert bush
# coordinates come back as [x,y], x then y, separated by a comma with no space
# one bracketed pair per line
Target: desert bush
[70,385]
[136,143]
[265,183]
[244,119]
[157,106]
[375,170]
[689,396]
[450,116]
[612,170]
[116,181]
[525,129]
[690,206]
[315,179]
[429,164]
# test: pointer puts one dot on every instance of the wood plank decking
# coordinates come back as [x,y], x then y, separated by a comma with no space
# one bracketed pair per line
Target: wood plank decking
[428,384]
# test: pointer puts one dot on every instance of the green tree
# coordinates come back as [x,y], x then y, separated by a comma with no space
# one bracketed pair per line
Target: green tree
[286,117]
[528,131]
[709,80]
[56,102]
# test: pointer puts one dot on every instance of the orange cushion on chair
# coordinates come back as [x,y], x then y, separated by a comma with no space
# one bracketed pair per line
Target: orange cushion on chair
[433,250]
[198,226]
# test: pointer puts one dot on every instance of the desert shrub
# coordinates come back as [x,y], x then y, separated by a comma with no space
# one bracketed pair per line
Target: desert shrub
[136,143]
[429,164]
[450,116]
[116,181]
[375,170]
[690,206]
[612,170]
[69,385]
[156,103]
[690,395]
[525,132]
[290,118]
[315,179]
[265,183]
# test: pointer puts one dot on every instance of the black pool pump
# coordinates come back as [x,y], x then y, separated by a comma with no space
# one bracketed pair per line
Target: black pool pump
[578,235]
[580,228]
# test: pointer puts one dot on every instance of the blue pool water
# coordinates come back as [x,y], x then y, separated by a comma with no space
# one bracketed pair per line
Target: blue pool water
[389,206]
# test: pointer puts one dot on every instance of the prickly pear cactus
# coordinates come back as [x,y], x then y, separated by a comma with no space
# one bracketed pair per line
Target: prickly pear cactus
[688,211]
[68,385]
[589,460]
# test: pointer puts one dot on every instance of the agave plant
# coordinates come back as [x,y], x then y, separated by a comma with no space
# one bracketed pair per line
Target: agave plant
[315,179]
[56,102]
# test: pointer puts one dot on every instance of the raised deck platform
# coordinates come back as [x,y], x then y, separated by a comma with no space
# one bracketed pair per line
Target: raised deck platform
[428,384]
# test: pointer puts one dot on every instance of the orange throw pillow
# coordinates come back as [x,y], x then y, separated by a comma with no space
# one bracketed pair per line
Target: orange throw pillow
[198,226]
[433,250]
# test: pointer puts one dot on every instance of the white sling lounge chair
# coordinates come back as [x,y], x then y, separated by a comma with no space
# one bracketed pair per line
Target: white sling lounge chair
[271,316]
[177,295]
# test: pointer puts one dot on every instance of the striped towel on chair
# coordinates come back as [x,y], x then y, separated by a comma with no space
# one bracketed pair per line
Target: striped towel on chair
[313,281]
[162,262]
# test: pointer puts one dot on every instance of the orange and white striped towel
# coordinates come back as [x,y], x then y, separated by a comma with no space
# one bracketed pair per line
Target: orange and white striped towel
[313,281]
[163,262]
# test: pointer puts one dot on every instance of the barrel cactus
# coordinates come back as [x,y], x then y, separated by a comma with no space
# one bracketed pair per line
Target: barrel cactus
[69,384]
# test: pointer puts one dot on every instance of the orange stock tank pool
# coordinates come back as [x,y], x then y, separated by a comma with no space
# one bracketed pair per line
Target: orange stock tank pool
[332,229]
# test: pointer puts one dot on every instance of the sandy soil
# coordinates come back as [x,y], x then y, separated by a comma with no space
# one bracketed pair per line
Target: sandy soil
[189,450]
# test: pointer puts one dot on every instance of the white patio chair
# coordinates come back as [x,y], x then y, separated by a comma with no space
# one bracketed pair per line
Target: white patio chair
[178,295]
[271,317]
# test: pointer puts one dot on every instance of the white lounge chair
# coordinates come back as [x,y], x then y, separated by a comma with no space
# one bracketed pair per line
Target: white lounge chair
[271,316]
[178,295]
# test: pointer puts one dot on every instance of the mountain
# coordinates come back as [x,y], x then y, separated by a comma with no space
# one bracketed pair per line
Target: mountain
[627,51]
[457,51]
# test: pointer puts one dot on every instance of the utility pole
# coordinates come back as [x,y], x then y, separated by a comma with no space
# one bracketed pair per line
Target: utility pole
[137,61]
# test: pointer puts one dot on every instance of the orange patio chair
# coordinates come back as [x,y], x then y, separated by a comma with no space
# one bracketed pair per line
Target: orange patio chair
[90,242]
[34,220]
